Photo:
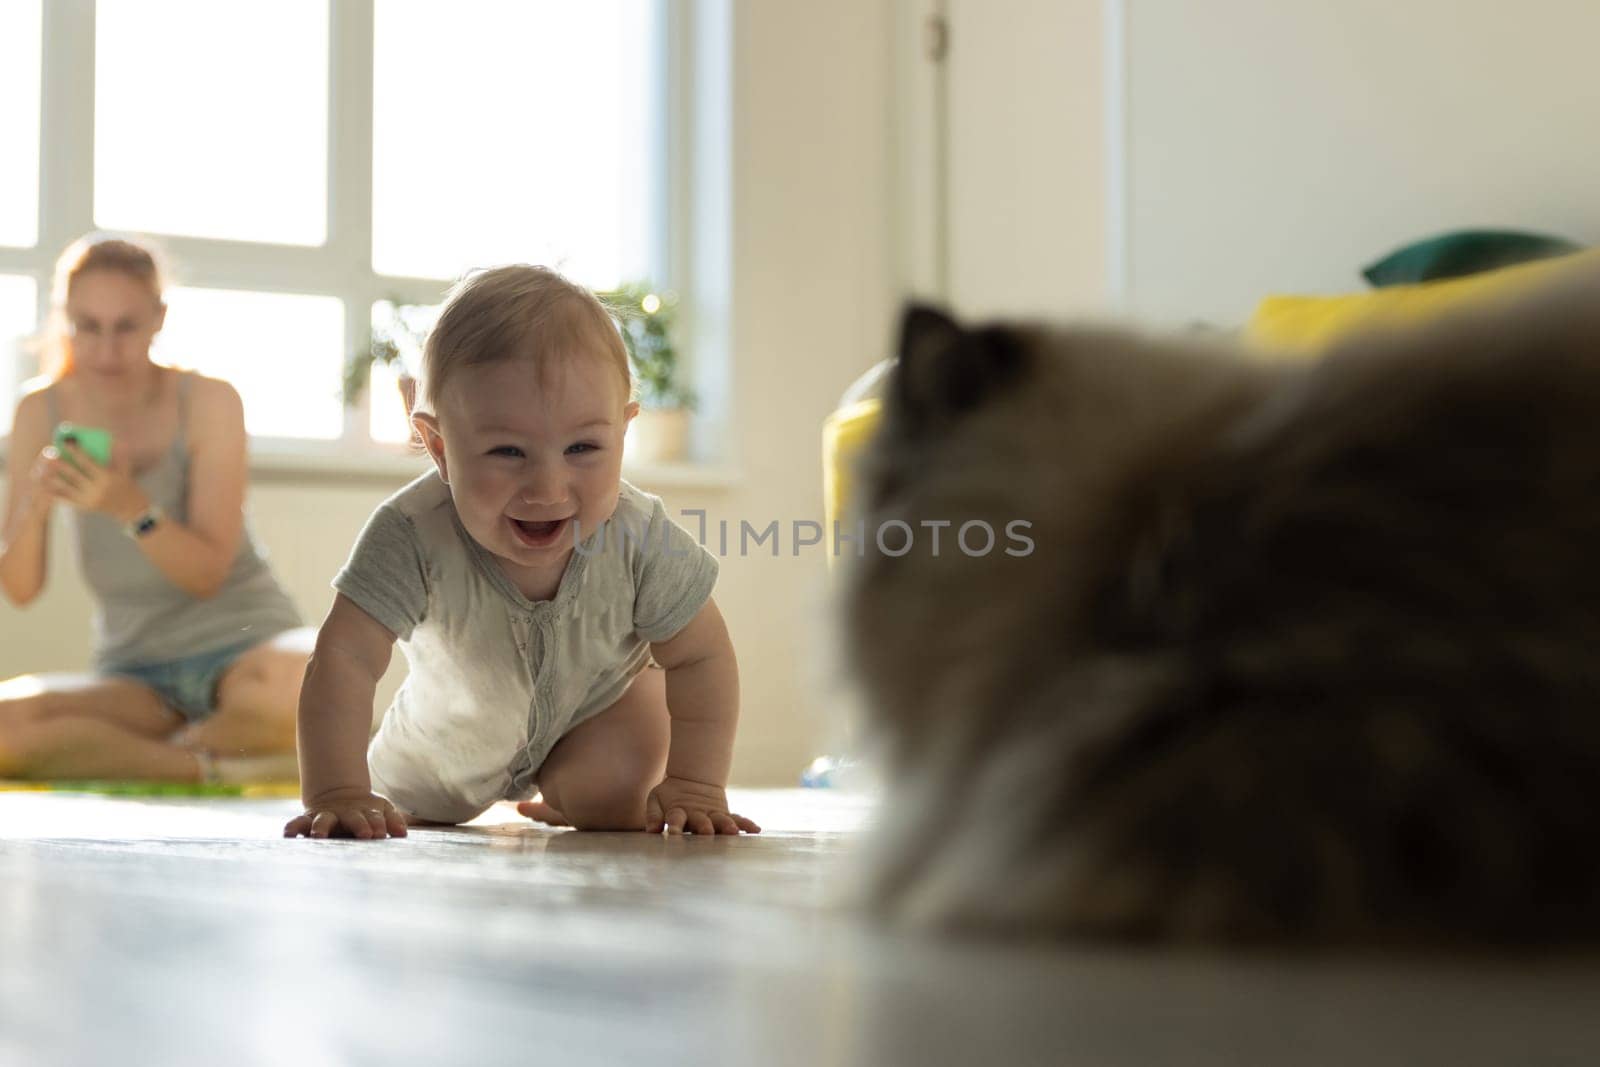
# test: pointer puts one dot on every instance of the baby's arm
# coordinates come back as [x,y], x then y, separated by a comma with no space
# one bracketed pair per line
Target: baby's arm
[703,701]
[353,651]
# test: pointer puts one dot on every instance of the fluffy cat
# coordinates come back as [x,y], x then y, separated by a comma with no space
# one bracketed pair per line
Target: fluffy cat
[1301,652]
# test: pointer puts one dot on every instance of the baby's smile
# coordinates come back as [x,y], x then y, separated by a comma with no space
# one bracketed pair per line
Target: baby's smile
[538,534]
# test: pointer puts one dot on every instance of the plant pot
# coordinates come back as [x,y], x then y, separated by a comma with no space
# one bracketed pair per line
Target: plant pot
[658,435]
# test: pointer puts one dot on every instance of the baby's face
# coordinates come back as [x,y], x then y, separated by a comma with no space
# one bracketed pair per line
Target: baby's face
[533,457]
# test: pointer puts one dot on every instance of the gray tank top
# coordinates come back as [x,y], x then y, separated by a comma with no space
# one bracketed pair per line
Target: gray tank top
[140,616]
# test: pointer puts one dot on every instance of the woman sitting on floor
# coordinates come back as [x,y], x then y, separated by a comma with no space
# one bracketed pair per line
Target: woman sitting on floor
[198,653]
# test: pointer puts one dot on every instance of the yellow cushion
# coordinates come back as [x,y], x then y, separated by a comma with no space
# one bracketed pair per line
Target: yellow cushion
[845,434]
[1292,324]
[1304,324]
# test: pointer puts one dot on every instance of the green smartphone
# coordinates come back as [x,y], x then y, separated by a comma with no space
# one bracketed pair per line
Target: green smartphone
[96,444]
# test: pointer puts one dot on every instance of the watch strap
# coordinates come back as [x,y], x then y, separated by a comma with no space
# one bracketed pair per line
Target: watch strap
[144,522]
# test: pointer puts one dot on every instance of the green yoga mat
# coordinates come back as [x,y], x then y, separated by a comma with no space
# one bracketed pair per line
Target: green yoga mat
[155,789]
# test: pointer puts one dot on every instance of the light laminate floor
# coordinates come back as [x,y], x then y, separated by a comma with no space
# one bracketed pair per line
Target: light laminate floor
[188,932]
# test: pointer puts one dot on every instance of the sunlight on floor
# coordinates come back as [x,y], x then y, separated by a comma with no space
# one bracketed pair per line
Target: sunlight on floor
[49,815]
[186,930]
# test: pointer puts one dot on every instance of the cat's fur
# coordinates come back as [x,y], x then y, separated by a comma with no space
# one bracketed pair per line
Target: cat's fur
[1303,652]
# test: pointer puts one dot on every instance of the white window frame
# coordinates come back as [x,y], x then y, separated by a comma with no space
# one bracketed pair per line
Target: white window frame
[342,266]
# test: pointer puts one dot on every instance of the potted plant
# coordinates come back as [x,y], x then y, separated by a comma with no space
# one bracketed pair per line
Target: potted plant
[646,317]
[398,332]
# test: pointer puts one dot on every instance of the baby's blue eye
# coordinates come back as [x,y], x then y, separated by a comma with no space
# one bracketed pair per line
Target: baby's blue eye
[581,448]
[511,451]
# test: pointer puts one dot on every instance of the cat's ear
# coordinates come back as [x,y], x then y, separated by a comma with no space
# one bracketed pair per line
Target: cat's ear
[945,368]
[926,331]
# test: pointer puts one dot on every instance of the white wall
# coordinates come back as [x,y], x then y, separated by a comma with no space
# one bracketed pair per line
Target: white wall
[1282,146]
[1179,160]
[1027,191]
[810,309]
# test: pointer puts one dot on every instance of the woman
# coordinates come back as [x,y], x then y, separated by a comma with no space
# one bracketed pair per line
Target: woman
[198,653]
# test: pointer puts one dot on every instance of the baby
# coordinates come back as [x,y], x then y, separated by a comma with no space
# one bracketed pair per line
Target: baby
[530,588]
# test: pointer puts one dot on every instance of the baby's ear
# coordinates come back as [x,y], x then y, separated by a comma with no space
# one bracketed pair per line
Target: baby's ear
[426,426]
[945,368]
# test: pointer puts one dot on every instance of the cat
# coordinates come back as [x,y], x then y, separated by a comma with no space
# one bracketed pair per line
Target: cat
[1276,651]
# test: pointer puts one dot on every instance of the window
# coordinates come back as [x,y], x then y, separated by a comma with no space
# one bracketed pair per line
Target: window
[305,161]
[404,327]
[505,131]
[19,121]
[18,308]
[281,351]
[226,140]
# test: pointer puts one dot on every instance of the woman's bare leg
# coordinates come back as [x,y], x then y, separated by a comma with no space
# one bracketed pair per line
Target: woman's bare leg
[88,726]
[84,726]
[256,700]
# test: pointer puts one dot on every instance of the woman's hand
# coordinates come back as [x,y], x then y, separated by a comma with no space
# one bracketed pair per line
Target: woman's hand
[679,804]
[348,813]
[72,476]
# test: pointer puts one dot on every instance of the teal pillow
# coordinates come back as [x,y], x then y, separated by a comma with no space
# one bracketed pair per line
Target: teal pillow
[1463,252]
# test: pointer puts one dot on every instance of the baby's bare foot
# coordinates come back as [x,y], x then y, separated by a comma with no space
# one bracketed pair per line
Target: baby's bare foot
[539,811]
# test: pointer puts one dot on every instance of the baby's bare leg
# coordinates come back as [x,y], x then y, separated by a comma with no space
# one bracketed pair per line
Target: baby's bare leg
[598,776]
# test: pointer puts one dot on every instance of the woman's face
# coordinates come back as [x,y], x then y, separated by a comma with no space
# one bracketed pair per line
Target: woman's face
[111,319]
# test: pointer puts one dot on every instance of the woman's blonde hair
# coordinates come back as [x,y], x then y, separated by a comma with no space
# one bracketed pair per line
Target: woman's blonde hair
[517,311]
[137,258]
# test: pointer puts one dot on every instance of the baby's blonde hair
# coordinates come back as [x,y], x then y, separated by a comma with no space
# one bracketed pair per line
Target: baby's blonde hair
[518,311]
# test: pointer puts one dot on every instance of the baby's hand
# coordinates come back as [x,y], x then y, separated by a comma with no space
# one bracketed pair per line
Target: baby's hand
[679,804]
[348,813]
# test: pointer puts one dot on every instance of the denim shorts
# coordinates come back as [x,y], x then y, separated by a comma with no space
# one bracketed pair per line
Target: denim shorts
[189,685]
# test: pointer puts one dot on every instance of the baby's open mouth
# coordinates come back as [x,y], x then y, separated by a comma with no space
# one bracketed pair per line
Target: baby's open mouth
[538,533]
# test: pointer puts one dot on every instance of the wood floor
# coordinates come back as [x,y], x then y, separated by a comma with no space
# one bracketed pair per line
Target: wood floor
[177,932]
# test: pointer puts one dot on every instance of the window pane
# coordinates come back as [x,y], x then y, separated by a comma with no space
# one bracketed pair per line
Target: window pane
[211,119]
[20,49]
[405,326]
[507,130]
[283,352]
[18,320]
[389,423]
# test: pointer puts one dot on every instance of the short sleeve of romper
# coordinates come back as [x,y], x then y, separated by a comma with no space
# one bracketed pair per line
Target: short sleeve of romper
[386,575]
[673,577]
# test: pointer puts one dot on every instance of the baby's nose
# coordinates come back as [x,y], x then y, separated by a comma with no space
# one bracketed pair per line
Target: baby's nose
[543,488]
